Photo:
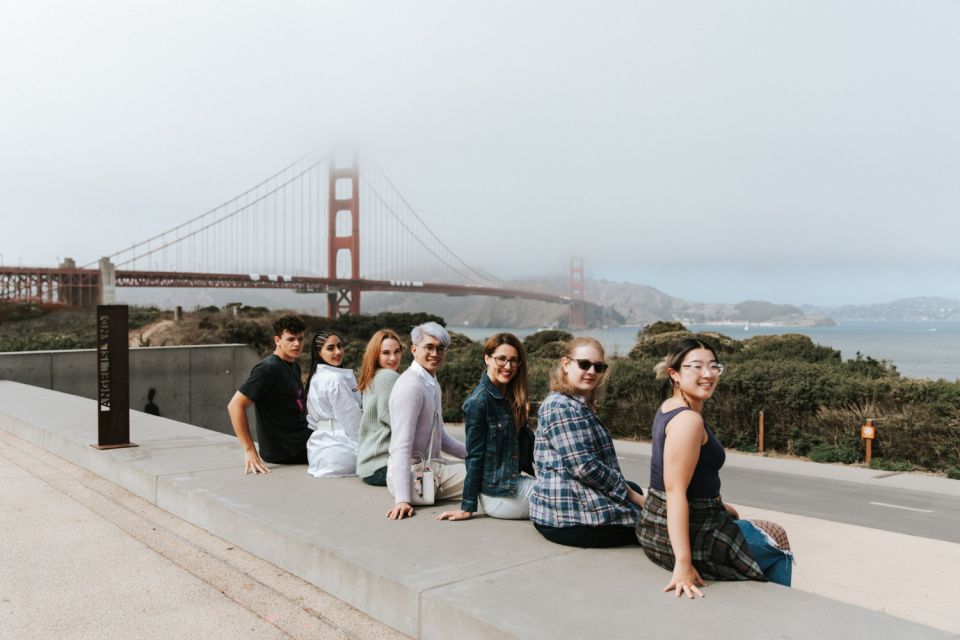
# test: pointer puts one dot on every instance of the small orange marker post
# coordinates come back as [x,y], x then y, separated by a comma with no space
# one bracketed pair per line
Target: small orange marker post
[761,433]
[868,432]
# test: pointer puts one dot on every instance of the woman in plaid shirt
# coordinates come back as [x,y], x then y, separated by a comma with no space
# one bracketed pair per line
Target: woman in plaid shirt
[581,498]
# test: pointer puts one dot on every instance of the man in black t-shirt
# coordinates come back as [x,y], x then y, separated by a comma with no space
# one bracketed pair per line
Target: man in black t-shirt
[275,389]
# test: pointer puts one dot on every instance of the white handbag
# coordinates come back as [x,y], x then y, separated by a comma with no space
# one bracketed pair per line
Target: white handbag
[423,481]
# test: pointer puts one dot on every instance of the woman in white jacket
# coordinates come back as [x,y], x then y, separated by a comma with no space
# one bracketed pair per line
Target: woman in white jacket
[333,410]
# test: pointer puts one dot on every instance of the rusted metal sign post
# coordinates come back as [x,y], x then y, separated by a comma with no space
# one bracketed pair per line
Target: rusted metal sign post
[760,438]
[113,378]
[868,432]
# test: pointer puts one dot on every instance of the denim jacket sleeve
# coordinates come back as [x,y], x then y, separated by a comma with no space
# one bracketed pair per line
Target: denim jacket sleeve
[575,439]
[475,431]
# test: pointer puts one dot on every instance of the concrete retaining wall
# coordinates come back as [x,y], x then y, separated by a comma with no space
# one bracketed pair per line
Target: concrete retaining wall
[193,383]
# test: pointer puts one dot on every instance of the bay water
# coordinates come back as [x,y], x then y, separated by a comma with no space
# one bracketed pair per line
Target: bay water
[917,349]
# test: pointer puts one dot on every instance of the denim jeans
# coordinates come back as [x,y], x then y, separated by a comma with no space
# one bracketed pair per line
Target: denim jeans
[776,564]
[378,478]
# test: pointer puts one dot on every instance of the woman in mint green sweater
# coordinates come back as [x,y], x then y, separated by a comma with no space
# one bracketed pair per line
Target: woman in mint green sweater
[377,377]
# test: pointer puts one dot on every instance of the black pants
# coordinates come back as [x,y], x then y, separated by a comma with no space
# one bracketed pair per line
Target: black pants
[296,458]
[378,478]
[593,537]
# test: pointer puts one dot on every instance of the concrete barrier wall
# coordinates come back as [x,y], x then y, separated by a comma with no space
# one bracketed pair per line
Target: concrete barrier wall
[193,383]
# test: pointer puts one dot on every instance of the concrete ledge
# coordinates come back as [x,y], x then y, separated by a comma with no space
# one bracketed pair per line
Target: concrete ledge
[478,579]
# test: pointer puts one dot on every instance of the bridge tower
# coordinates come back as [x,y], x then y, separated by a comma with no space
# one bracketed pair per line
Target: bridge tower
[345,299]
[576,318]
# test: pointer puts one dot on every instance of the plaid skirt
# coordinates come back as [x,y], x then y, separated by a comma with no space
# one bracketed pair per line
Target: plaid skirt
[717,546]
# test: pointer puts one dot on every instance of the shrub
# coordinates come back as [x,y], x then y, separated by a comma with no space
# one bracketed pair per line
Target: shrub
[551,338]
[659,327]
[790,346]
[891,465]
[245,331]
[831,453]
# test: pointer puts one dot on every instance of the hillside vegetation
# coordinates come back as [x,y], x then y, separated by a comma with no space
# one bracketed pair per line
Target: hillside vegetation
[813,401]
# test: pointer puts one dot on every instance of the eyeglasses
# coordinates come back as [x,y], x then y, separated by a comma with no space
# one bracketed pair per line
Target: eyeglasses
[697,367]
[503,360]
[433,348]
[585,365]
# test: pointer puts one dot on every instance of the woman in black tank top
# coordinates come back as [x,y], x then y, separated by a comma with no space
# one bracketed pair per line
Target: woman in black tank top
[685,527]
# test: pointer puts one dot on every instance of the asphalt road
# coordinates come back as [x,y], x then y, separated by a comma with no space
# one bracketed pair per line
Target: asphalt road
[916,513]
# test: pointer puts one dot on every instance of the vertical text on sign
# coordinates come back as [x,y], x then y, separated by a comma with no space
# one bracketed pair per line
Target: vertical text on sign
[103,362]
[113,378]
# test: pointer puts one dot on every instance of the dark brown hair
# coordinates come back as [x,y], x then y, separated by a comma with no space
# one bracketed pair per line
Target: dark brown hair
[516,392]
[316,346]
[291,324]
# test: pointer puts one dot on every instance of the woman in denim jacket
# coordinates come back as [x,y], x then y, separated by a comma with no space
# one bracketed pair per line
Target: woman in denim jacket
[499,443]
[581,498]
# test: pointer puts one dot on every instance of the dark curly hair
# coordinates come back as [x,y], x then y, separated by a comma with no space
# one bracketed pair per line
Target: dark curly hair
[291,324]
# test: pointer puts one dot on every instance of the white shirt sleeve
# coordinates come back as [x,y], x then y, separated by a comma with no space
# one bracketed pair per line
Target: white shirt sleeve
[345,403]
[405,404]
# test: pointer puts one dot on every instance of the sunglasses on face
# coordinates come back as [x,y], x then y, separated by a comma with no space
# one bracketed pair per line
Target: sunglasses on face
[585,365]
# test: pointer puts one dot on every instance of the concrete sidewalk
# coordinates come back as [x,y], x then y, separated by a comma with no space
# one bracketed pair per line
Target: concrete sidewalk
[86,559]
[481,578]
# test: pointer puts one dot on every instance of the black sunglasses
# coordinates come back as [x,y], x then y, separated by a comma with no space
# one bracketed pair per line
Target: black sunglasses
[585,365]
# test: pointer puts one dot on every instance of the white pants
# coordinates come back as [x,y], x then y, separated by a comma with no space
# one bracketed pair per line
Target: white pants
[450,476]
[510,507]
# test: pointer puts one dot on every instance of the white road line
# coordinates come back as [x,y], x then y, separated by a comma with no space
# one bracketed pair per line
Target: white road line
[897,506]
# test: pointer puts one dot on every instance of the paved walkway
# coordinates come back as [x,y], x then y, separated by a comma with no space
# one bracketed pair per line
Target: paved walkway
[85,559]
[481,578]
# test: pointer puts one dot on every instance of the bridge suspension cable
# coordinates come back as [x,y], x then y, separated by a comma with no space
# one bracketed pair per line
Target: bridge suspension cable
[451,269]
[481,278]
[283,226]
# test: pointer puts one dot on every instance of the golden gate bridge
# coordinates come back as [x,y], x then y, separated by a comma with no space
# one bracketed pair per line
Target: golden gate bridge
[301,229]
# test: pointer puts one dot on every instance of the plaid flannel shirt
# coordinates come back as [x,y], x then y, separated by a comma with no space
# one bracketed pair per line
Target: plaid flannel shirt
[579,481]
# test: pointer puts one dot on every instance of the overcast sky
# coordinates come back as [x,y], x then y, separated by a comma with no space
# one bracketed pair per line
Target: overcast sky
[801,152]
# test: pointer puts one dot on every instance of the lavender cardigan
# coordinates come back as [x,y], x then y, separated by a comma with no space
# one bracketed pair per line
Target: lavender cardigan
[414,406]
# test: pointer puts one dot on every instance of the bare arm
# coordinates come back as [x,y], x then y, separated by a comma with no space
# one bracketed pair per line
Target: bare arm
[635,498]
[681,451]
[237,409]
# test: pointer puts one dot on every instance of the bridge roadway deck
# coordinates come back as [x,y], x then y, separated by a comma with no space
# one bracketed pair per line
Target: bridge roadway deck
[486,578]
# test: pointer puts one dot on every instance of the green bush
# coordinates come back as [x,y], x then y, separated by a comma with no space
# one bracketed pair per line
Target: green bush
[883,464]
[244,331]
[826,452]
[551,338]
[659,327]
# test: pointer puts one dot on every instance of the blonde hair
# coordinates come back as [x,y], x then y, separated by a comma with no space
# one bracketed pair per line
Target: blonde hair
[371,356]
[558,379]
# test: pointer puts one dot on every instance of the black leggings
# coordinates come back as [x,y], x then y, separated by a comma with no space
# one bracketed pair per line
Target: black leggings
[588,537]
[593,537]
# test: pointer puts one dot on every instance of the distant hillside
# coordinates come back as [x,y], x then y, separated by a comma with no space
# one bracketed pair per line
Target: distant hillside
[753,311]
[904,310]
[623,303]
